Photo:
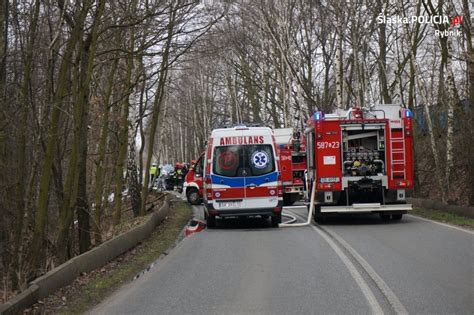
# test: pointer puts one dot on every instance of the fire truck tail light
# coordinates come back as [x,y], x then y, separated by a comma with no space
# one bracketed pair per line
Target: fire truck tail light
[401,183]
[324,186]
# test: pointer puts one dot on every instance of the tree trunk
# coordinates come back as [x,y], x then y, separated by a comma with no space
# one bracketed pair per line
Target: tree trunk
[470,73]
[99,175]
[75,188]
[123,144]
[453,100]
[22,164]
[133,184]
[82,204]
[382,64]
[157,104]
[51,147]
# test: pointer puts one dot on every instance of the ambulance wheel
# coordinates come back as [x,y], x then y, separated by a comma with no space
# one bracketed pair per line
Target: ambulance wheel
[276,219]
[397,217]
[211,221]
[192,194]
[384,217]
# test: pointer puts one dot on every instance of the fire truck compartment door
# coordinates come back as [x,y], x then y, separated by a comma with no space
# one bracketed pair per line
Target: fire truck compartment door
[286,167]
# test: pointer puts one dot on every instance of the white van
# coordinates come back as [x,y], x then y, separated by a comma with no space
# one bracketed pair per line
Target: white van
[242,174]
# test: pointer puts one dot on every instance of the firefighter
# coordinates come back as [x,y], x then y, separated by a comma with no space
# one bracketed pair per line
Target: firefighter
[185,169]
[178,177]
[153,173]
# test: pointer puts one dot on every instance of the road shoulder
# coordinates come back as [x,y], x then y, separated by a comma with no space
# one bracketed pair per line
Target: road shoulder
[444,218]
[90,289]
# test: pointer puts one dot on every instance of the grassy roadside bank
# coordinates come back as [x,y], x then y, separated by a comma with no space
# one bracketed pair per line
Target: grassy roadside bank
[445,217]
[90,289]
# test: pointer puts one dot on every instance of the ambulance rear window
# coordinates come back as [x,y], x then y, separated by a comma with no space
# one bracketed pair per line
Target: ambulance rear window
[259,159]
[240,161]
[227,160]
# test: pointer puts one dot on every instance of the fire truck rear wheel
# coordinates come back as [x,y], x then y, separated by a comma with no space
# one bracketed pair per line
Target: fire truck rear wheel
[397,217]
[318,216]
[192,195]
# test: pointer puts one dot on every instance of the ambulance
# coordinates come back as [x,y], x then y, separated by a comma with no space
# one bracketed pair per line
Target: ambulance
[241,175]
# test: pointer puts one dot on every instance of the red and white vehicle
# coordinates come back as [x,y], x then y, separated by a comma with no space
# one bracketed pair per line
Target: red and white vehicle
[361,161]
[292,152]
[193,183]
[241,174]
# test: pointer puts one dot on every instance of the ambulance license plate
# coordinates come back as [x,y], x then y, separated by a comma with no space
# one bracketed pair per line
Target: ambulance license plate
[230,204]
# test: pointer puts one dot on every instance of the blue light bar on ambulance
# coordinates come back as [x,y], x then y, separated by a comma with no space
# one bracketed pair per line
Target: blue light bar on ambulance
[318,115]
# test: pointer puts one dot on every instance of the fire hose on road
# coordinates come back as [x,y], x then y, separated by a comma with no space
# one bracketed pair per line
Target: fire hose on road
[310,212]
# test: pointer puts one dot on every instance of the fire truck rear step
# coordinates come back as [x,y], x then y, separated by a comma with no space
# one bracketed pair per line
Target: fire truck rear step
[366,207]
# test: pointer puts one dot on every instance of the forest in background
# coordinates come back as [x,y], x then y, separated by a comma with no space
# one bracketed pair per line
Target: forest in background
[94,91]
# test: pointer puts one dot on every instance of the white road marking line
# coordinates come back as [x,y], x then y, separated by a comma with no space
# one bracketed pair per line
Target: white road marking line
[368,294]
[443,224]
[391,297]
[384,288]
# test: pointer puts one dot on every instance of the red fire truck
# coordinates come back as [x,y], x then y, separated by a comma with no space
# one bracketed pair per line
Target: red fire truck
[361,161]
[193,183]
[292,153]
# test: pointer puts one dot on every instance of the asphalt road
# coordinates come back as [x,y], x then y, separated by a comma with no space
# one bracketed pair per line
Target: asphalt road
[350,265]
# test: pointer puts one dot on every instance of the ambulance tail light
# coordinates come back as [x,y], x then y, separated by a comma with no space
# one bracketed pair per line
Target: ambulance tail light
[279,184]
[208,186]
